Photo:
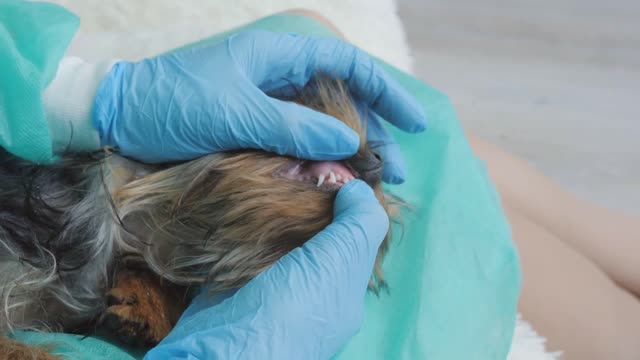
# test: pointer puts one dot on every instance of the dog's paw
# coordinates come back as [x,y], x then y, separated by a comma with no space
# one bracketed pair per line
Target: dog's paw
[140,311]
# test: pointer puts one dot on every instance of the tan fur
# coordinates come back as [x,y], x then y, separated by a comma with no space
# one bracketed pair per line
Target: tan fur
[142,308]
[13,350]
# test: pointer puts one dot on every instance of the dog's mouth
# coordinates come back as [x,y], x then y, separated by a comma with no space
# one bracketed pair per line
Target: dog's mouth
[330,175]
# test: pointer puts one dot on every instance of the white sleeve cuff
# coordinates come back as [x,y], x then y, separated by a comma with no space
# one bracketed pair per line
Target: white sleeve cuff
[68,103]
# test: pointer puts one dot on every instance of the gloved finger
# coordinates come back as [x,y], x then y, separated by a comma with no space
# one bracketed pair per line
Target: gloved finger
[349,245]
[299,131]
[380,141]
[301,57]
[368,82]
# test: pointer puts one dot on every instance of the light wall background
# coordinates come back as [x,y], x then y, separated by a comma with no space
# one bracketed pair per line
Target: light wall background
[554,81]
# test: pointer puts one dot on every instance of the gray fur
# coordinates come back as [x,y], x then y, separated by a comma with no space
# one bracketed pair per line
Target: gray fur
[57,231]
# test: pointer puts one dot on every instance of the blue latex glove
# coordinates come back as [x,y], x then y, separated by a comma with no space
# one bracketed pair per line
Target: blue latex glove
[306,306]
[215,97]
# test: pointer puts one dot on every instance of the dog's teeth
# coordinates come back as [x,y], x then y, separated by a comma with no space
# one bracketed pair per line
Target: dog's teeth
[332,177]
[320,180]
[339,177]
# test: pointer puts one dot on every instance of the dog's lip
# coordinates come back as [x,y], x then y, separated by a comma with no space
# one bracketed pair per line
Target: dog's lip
[331,174]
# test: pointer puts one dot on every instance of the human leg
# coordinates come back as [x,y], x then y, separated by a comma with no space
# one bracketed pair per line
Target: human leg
[610,239]
[570,300]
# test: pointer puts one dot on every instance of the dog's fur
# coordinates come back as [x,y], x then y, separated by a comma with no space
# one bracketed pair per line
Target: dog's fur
[221,219]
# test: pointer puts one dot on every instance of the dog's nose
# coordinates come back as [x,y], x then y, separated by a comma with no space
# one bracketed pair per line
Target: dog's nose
[368,165]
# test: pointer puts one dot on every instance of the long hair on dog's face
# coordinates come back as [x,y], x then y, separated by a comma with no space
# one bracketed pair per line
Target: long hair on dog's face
[220,219]
[224,218]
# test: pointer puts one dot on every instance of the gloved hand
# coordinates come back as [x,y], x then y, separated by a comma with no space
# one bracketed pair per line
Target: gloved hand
[216,97]
[306,306]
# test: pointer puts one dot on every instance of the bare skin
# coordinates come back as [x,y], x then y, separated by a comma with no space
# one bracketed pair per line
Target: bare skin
[609,239]
[580,262]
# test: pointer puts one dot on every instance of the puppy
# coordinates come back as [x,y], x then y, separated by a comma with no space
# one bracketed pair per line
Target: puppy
[98,238]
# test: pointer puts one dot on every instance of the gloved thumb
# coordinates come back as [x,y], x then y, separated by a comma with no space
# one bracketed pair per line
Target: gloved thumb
[359,226]
[308,134]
